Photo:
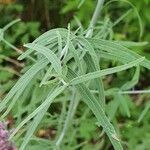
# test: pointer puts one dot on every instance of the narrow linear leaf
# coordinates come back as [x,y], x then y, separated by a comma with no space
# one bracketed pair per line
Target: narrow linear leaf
[146,109]
[135,11]
[65,49]
[48,54]
[117,50]
[48,72]
[131,44]
[24,81]
[90,50]
[33,127]
[45,38]
[94,65]
[48,101]
[81,3]
[98,111]
[74,101]
[25,54]
[98,81]
[124,104]
[128,85]
[10,24]
[76,57]
[122,17]
[104,72]
[112,107]
[60,44]
[13,101]
[35,123]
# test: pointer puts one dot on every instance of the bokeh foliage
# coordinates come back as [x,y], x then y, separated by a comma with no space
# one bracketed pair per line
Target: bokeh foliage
[48,14]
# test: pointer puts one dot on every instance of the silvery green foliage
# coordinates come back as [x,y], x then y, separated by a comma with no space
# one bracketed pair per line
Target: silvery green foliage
[68,60]
[73,62]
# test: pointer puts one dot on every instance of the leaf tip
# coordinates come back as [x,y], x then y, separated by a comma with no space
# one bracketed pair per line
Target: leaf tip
[114,136]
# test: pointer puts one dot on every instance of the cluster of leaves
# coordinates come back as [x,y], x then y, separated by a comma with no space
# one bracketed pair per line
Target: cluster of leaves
[9,67]
[127,29]
[71,63]
[66,72]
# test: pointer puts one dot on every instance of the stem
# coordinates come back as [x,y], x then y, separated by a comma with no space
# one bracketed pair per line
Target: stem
[75,100]
[10,24]
[94,19]
[10,70]
[135,92]
[72,109]
[12,46]
[124,92]
[16,49]
[11,60]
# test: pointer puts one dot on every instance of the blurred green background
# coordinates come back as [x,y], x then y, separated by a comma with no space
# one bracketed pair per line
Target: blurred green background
[38,16]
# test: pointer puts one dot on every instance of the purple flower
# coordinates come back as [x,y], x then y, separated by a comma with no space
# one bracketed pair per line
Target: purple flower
[5,144]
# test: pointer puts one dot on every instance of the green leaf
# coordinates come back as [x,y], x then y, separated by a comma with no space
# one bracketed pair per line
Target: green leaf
[131,44]
[35,123]
[60,44]
[81,3]
[146,109]
[48,101]
[135,11]
[112,107]
[104,72]
[134,81]
[48,54]
[90,50]
[50,35]
[65,49]
[1,34]
[98,111]
[117,51]
[25,54]
[76,57]
[123,103]
[98,81]
[23,81]
[93,64]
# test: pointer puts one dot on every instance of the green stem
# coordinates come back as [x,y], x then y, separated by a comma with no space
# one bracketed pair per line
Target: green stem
[10,24]
[135,92]
[72,109]
[12,46]
[95,16]
[74,101]
[16,49]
